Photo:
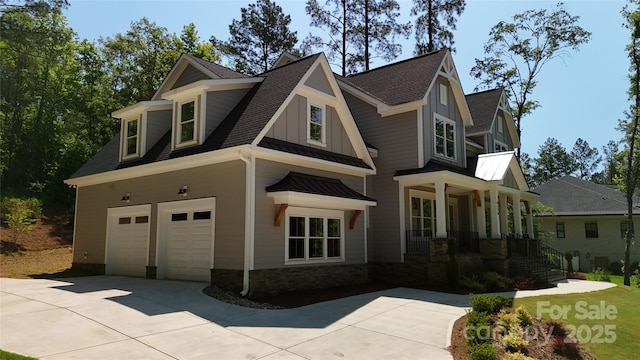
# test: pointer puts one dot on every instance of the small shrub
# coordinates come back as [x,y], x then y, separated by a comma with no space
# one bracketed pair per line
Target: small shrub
[524,316]
[565,346]
[508,321]
[635,278]
[490,304]
[473,283]
[514,341]
[601,275]
[556,329]
[569,256]
[616,268]
[516,356]
[496,282]
[483,352]
[577,276]
[475,321]
[20,214]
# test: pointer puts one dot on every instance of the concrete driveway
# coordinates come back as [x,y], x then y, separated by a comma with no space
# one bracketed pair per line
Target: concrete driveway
[111,317]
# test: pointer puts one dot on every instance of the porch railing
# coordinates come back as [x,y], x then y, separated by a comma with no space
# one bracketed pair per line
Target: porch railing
[535,249]
[417,241]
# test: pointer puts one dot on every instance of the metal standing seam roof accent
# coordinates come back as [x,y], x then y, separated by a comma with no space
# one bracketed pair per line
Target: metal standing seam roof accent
[569,195]
[482,106]
[494,166]
[400,82]
[317,185]
[292,148]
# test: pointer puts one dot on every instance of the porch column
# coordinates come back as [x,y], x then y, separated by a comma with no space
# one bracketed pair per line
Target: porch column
[441,210]
[504,214]
[529,220]
[517,216]
[495,223]
[480,216]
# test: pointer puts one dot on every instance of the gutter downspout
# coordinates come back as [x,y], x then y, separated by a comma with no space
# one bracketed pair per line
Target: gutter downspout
[248,213]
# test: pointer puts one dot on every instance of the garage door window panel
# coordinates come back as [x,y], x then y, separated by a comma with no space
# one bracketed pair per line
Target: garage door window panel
[179,217]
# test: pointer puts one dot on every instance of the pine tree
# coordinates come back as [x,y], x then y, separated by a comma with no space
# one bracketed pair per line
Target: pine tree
[435,23]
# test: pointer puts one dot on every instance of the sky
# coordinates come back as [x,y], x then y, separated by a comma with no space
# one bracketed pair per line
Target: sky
[582,95]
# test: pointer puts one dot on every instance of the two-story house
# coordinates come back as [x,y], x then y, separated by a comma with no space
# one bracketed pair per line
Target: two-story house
[296,178]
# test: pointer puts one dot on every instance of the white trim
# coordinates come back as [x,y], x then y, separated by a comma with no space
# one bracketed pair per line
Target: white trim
[187,162]
[177,123]
[113,214]
[141,107]
[444,92]
[124,139]
[446,122]
[307,213]
[202,86]
[403,224]
[163,220]
[318,201]
[323,123]
[420,119]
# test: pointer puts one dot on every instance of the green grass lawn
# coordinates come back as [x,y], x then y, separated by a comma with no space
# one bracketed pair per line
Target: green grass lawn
[598,328]
[4,355]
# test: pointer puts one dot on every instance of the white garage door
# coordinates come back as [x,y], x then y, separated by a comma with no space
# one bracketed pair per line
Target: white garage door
[128,241]
[188,231]
[189,236]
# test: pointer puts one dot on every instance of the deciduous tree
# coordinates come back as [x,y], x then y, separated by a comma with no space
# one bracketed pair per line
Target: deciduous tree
[553,161]
[517,51]
[630,174]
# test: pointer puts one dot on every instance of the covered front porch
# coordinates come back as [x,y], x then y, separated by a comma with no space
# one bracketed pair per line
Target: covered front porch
[479,210]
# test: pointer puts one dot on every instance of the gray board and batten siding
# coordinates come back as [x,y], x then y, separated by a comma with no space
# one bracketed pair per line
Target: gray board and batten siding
[291,126]
[396,139]
[224,181]
[270,242]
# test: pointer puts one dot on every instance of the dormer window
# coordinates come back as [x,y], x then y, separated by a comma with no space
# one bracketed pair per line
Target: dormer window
[445,137]
[187,122]
[316,128]
[131,139]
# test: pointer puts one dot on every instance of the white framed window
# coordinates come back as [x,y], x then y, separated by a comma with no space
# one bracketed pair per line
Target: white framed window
[187,123]
[423,213]
[131,140]
[500,147]
[500,124]
[316,124]
[314,236]
[445,137]
[444,91]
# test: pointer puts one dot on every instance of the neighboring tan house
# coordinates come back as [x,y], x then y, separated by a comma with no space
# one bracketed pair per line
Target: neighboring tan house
[265,184]
[588,220]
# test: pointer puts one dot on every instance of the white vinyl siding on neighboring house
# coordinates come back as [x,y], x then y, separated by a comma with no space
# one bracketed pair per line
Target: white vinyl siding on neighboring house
[314,235]
[445,137]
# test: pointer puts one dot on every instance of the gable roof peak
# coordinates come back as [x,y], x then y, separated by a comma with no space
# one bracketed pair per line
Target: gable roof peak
[398,63]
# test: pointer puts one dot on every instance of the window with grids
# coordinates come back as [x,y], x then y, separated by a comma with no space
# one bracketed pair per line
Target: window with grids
[445,137]
[591,230]
[187,122]
[131,138]
[560,233]
[315,237]
[316,124]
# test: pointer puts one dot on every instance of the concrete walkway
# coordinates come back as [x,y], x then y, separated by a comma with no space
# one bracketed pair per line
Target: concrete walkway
[110,317]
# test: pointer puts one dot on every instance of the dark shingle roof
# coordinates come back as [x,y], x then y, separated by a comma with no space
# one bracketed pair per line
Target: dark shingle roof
[318,185]
[482,106]
[284,146]
[435,165]
[573,196]
[221,71]
[401,82]
[240,127]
